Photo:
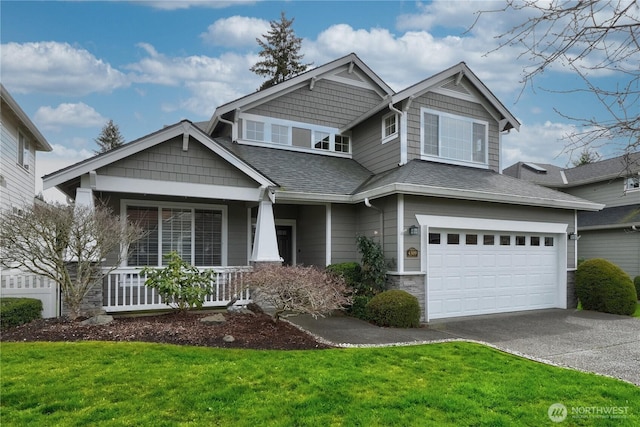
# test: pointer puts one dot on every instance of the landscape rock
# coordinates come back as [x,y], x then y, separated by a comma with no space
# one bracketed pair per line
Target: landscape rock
[214,319]
[100,319]
[228,338]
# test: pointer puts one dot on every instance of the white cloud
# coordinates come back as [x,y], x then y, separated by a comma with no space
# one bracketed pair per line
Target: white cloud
[56,68]
[74,115]
[236,31]
[186,4]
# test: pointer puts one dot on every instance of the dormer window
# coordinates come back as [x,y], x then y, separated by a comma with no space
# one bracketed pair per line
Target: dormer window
[389,127]
[632,183]
[451,137]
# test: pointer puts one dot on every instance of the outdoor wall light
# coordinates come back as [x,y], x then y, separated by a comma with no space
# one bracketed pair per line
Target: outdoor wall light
[413,230]
[573,236]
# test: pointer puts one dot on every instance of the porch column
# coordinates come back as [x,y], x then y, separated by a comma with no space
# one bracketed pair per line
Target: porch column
[265,245]
[84,198]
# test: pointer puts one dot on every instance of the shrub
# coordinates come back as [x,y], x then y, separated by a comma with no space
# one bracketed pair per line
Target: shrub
[358,308]
[374,267]
[181,285]
[636,282]
[351,272]
[603,286]
[17,311]
[394,308]
[298,290]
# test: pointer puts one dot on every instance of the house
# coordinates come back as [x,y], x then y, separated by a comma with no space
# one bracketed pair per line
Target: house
[20,139]
[614,232]
[294,173]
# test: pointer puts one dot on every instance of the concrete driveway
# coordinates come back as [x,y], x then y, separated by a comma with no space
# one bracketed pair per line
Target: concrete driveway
[589,341]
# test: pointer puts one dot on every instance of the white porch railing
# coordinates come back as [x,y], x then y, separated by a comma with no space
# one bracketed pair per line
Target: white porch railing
[124,290]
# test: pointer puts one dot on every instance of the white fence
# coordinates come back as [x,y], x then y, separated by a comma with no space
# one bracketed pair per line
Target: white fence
[124,290]
[19,284]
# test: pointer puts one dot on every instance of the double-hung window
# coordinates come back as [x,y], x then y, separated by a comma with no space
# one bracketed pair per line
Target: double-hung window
[452,137]
[196,234]
[389,127]
[632,183]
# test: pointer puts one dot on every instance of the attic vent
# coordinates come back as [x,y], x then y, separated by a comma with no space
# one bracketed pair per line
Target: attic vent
[535,168]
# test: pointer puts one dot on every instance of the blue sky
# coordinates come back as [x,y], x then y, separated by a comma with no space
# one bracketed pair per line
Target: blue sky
[74,65]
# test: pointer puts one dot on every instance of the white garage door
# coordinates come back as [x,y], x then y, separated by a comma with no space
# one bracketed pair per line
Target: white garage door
[483,272]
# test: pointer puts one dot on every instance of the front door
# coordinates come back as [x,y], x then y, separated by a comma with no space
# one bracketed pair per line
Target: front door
[285,243]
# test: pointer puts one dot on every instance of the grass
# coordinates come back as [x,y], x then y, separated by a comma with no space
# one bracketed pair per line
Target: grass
[120,384]
[637,312]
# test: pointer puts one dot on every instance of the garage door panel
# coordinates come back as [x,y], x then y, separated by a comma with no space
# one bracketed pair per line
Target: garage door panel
[470,279]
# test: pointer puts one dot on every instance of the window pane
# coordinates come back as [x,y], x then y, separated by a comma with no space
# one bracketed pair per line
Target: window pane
[144,252]
[548,241]
[430,134]
[455,138]
[208,235]
[453,239]
[434,238]
[471,239]
[342,143]
[255,130]
[505,240]
[479,143]
[321,140]
[390,125]
[521,240]
[176,233]
[488,239]
[280,134]
[535,241]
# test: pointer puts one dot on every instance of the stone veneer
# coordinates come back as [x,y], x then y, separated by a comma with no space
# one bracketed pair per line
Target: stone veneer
[572,299]
[92,302]
[412,283]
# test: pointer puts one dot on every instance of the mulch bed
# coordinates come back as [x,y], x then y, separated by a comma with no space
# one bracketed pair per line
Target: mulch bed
[249,330]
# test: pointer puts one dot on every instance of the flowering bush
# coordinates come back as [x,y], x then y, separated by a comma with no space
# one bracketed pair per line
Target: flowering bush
[297,290]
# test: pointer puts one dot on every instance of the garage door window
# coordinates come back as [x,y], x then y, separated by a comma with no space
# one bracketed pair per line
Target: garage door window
[535,241]
[489,240]
[505,240]
[471,239]
[434,238]
[521,240]
[548,241]
[453,239]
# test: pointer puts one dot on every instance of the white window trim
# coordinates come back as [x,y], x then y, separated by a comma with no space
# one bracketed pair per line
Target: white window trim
[124,203]
[391,136]
[24,150]
[290,124]
[627,183]
[423,156]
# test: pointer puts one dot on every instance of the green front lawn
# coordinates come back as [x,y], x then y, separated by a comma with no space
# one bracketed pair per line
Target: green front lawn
[116,384]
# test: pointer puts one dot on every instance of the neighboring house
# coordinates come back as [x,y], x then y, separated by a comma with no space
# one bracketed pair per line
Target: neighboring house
[20,139]
[614,232]
[296,172]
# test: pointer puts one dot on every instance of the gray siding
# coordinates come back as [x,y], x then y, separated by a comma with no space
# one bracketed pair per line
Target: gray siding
[368,149]
[168,162]
[622,249]
[18,188]
[343,234]
[456,106]
[368,220]
[461,208]
[611,193]
[330,104]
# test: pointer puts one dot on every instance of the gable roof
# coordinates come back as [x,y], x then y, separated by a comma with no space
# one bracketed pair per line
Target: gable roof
[615,217]
[41,143]
[554,176]
[265,95]
[185,128]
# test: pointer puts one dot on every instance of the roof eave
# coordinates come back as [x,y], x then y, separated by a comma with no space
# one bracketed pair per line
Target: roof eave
[41,142]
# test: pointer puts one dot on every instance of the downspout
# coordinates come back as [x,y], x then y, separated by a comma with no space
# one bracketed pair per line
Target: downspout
[403,130]
[369,205]
[234,128]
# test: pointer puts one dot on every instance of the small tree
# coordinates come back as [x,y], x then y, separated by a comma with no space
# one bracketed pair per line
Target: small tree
[586,157]
[298,290]
[180,284]
[109,138]
[374,267]
[65,244]
[280,53]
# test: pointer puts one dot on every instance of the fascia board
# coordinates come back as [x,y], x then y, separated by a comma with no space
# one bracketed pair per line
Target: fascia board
[291,196]
[608,226]
[420,190]
[42,143]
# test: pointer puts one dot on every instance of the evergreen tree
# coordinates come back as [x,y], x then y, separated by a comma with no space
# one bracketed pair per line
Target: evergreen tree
[109,138]
[280,53]
[586,157]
